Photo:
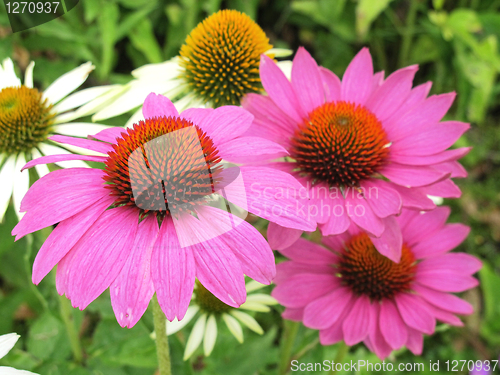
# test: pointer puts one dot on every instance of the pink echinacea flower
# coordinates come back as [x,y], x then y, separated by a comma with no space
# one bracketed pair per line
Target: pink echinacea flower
[154,218]
[363,148]
[349,291]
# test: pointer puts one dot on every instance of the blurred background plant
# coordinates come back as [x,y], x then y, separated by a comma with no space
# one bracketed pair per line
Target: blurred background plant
[455,42]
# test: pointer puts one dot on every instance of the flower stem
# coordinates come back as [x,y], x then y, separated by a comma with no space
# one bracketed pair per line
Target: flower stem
[408,32]
[27,265]
[74,339]
[162,349]
[341,352]
[291,329]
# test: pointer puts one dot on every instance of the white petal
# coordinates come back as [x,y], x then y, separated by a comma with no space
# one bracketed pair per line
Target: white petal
[210,335]
[68,83]
[253,285]
[248,320]
[133,97]
[66,117]
[234,327]
[195,337]
[279,52]
[166,70]
[286,68]
[21,184]
[254,306]
[48,149]
[176,325]
[265,299]
[101,101]
[28,75]
[8,77]
[7,342]
[82,97]
[7,183]
[136,117]
[41,169]
[79,129]
[13,371]
[72,164]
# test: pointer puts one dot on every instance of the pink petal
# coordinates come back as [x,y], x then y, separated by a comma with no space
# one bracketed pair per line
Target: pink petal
[425,113]
[327,207]
[440,157]
[56,158]
[382,198]
[270,194]
[172,272]
[444,189]
[357,324]
[196,115]
[377,80]
[392,93]
[390,243]
[414,313]
[325,311]
[240,149]
[444,316]
[217,267]
[62,273]
[157,105]
[300,290]
[423,225]
[308,252]
[101,147]
[415,341]
[460,263]
[295,315]
[100,254]
[430,140]
[226,123]
[445,301]
[357,79]
[392,326]
[331,85]
[246,242]
[280,90]
[442,241]
[335,333]
[376,340]
[65,236]
[412,175]
[454,167]
[361,213]
[133,288]
[446,281]
[306,81]
[58,196]
[414,198]
[289,268]
[280,237]
[109,135]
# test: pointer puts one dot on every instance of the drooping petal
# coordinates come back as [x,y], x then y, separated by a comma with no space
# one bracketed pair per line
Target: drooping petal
[331,85]
[67,83]
[157,105]
[390,243]
[21,184]
[7,177]
[382,198]
[307,252]
[446,281]
[234,327]
[172,272]
[392,325]
[414,313]
[412,175]
[101,147]
[375,340]
[459,263]
[414,198]
[58,158]
[70,191]
[240,149]
[176,325]
[7,342]
[248,321]
[100,254]
[280,237]
[196,336]
[357,323]
[109,135]
[422,226]
[445,301]
[362,214]
[226,123]
[415,341]
[132,290]
[443,240]
[335,333]
[65,236]
[325,311]
[210,335]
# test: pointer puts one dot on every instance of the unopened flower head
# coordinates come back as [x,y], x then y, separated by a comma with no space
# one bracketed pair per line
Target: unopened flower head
[28,117]
[378,141]
[349,291]
[210,311]
[161,213]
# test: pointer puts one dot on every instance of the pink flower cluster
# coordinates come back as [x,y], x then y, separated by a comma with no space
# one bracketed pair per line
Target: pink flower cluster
[356,158]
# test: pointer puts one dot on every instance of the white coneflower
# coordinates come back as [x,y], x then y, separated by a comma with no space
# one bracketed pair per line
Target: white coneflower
[217,65]
[209,310]
[29,117]
[7,342]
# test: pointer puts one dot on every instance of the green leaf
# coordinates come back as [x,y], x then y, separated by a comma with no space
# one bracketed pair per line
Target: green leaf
[490,283]
[44,335]
[366,12]
[143,38]
[108,20]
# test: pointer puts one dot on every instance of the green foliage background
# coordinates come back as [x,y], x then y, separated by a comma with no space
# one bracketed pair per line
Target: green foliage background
[455,42]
